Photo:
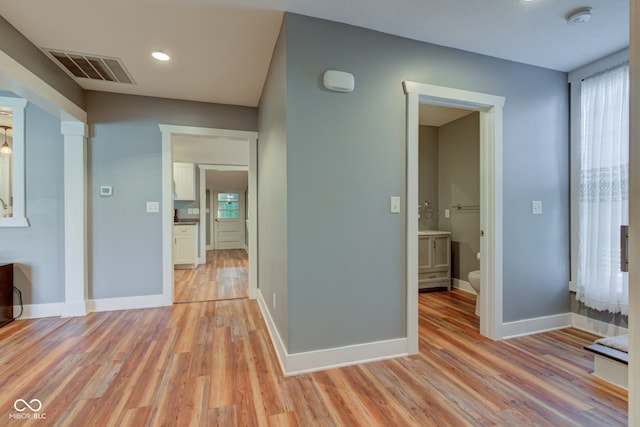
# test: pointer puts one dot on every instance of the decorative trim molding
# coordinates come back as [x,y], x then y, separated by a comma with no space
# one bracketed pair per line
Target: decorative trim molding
[125,303]
[276,339]
[491,170]
[36,311]
[596,327]
[319,360]
[536,325]
[78,309]
[75,309]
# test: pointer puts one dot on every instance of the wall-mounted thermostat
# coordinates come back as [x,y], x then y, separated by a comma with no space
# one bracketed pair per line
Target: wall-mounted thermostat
[106,190]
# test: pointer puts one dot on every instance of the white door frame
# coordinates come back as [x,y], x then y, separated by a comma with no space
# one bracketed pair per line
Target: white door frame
[490,108]
[167,201]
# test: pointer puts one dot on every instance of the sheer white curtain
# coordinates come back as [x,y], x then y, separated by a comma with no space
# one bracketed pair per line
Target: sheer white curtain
[604,203]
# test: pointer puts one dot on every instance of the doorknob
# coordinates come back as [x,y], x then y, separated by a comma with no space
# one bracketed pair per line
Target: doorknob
[481,233]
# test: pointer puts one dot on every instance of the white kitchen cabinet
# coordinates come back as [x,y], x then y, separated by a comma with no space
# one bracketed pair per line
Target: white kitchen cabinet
[434,259]
[184,181]
[184,244]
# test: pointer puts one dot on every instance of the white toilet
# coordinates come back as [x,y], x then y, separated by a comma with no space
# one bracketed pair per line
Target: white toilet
[474,281]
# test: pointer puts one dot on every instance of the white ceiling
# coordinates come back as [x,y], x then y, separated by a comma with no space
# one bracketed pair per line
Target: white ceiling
[227,180]
[222,48]
[225,152]
[435,115]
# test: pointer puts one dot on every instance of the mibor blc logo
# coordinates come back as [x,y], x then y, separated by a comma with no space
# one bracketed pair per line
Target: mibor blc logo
[28,410]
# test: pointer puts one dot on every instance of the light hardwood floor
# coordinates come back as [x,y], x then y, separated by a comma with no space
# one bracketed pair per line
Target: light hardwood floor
[224,276]
[212,363]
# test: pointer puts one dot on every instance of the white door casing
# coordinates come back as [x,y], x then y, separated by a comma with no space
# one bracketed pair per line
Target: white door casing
[167,202]
[490,108]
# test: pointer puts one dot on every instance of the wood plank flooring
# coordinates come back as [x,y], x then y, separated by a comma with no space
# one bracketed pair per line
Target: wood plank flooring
[212,364]
[224,276]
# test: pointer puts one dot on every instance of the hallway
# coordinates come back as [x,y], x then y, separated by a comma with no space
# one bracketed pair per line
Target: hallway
[223,277]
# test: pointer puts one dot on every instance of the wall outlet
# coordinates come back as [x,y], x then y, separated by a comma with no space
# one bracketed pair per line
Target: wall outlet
[536,207]
[273,301]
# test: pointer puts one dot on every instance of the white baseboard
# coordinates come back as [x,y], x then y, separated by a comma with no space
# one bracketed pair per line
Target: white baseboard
[536,325]
[61,309]
[126,303]
[36,311]
[596,327]
[281,349]
[319,360]
[463,286]
[75,309]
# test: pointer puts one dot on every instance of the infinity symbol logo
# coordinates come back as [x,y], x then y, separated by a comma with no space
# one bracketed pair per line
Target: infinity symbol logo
[21,405]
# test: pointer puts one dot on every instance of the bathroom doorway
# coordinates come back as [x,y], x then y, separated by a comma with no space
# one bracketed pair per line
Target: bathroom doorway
[489,110]
[449,184]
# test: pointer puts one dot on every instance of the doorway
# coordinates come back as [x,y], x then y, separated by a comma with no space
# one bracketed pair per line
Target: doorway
[168,133]
[449,192]
[490,110]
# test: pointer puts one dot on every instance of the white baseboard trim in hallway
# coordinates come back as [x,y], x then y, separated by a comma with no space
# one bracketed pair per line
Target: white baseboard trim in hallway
[319,360]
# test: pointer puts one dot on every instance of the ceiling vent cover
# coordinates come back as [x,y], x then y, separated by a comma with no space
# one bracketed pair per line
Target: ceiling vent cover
[94,67]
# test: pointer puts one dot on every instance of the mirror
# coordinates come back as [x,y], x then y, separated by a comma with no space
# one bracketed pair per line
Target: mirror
[6,160]
[12,162]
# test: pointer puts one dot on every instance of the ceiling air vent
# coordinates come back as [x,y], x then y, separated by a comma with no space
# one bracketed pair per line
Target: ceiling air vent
[94,67]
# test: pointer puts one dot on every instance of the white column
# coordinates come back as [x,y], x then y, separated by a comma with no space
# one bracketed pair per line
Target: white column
[75,217]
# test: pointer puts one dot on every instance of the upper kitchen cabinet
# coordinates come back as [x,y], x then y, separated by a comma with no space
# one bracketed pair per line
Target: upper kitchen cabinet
[184,180]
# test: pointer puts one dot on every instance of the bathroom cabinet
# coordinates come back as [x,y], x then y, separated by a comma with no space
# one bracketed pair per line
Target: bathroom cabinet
[434,259]
[184,244]
[184,180]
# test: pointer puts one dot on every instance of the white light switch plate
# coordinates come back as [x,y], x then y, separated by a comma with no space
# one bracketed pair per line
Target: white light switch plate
[394,204]
[536,207]
[153,207]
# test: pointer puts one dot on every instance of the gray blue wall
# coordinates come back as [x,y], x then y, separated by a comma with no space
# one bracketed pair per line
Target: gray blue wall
[125,152]
[459,183]
[272,191]
[428,177]
[345,157]
[38,250]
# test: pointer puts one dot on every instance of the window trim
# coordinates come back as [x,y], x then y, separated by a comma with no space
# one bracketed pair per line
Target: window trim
[575,82]
[19,216]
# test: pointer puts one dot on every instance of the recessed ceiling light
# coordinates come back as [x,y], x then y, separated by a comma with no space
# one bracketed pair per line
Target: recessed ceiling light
[579,16]
[160,56]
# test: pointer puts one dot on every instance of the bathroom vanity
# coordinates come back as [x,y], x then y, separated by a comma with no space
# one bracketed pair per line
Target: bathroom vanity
[434,259]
